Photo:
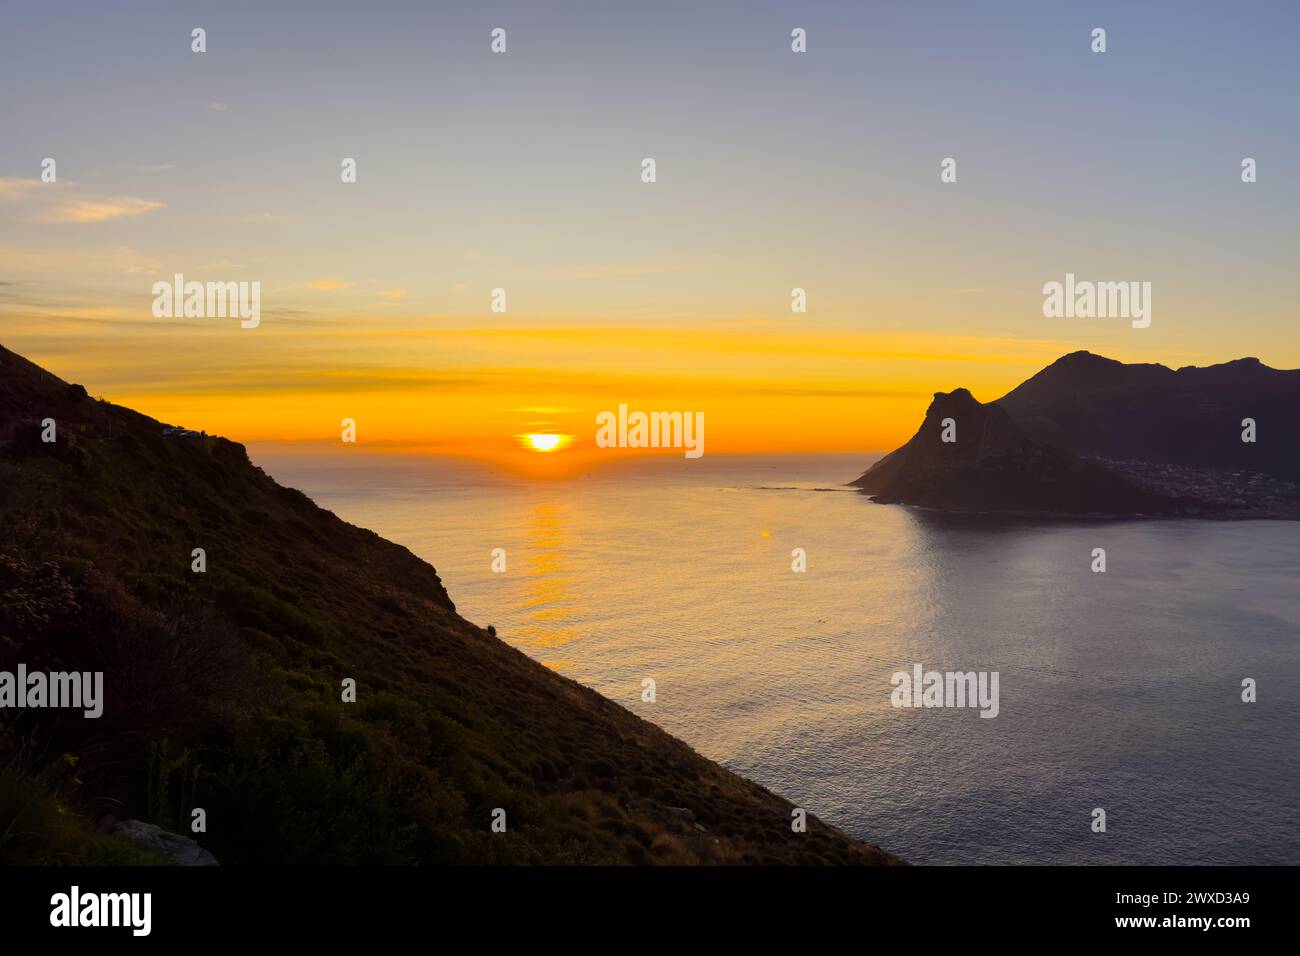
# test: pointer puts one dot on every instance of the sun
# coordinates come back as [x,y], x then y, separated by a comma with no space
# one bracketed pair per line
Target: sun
[544,441]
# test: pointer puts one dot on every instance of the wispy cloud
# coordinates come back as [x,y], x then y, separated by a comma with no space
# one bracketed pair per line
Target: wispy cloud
[217,106]
[159,168]
[57,264]
[14,189]
[393,294]
[98,210]
[59,202]
[329,285]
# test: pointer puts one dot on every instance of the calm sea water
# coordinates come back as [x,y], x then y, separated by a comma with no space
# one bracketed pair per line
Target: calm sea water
[1118,690]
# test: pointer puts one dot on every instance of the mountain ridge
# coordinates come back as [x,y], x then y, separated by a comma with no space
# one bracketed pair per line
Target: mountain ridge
[1122,439]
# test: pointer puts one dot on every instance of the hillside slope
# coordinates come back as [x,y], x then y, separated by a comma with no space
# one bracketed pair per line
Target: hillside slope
[223,688]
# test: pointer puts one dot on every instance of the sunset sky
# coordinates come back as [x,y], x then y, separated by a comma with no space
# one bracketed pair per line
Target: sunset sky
[522,171]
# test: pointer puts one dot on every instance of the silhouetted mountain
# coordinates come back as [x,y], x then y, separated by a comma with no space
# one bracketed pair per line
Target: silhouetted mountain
[1099,407]
[223,688]
[992,465]
[1089,435]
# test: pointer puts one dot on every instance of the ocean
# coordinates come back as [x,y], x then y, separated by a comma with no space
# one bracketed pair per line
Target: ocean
[1119,691]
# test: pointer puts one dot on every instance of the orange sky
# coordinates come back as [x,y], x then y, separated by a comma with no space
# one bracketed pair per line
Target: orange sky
[435,385]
